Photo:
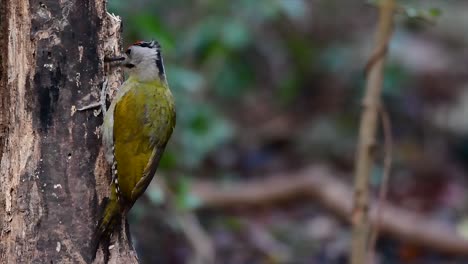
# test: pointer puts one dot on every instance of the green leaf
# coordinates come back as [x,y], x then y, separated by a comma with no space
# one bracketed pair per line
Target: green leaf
[184,198]
[235,34]
[168,160]
[429,15]
[148,26]
[435,12]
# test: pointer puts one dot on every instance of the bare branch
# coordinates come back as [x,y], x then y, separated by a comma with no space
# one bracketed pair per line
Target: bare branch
[366,143]
[387,166]
[322,185]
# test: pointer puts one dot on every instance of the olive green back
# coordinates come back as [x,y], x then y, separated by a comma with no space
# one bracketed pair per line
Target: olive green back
[144,119]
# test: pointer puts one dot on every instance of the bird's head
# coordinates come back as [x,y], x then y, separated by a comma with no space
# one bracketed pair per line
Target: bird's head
[142,60]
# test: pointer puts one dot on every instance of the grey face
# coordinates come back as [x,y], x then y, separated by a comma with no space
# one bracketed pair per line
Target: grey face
[143,59]
[136,55]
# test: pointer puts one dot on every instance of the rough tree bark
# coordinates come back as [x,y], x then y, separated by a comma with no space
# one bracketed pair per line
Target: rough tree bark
[53,176]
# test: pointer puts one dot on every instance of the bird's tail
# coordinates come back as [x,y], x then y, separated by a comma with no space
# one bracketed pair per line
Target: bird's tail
[109,219]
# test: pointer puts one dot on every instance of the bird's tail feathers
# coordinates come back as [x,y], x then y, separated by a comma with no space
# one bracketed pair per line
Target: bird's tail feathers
[110,218]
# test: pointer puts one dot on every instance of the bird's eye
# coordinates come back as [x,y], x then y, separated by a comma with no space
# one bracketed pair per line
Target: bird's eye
[129,65]
[128,51]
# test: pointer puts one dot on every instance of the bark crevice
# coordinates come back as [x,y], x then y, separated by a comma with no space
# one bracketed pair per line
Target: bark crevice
[53,175]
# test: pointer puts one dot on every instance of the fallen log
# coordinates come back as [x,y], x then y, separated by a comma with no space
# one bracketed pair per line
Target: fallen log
[322,185]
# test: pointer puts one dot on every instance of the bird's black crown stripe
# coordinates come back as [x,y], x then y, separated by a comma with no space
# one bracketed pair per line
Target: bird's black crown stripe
[154,45]
[159,63]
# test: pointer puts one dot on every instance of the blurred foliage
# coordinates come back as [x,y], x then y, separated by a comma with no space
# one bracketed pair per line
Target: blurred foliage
[263,86]
[209,49]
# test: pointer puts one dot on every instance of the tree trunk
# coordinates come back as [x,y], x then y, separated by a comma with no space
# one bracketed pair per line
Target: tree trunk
[53,175]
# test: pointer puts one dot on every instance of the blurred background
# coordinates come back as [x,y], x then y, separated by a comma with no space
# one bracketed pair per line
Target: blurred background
[268,89]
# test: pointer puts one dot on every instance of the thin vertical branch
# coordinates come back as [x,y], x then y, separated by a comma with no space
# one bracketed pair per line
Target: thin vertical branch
[367,131]
[387,166]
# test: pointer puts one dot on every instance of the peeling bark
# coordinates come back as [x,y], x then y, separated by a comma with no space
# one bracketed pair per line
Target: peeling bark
[53,174]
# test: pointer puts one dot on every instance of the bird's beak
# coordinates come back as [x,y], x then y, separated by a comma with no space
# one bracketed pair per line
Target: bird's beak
[114,59]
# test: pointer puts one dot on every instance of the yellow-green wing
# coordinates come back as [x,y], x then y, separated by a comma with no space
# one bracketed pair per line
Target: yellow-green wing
[143,123]
[164,118]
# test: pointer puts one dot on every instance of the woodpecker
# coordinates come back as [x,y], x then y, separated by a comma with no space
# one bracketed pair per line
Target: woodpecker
[137,126]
